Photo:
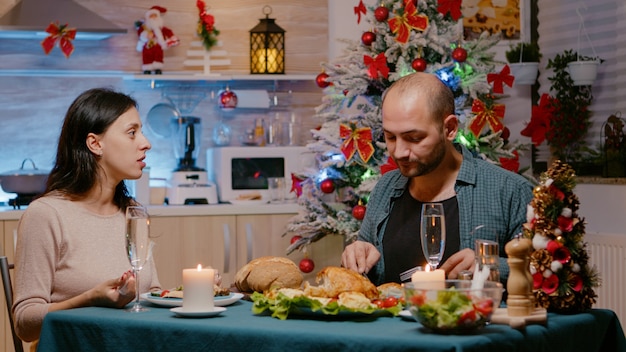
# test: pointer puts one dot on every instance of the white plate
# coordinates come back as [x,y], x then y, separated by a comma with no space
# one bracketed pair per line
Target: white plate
[406,315]
[197,314]
[248,202]
[219,301]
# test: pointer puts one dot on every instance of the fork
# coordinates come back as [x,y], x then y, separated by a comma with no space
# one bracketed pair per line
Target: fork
[406,275]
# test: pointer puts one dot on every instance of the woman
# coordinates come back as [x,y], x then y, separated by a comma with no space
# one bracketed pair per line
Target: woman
[70,250]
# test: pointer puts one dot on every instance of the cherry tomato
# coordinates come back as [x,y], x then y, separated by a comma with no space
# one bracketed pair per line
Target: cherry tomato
[484,307]
[418,299]
[164,292]
[379,303]
[390,301]
[467,318]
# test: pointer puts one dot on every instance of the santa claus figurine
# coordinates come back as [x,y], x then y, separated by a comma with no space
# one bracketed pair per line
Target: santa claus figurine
[154,37]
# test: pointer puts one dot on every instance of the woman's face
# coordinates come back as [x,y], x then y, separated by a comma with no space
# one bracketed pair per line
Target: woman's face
[124,148]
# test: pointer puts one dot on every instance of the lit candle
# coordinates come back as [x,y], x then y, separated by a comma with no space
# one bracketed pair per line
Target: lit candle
[429,279]
[198,289]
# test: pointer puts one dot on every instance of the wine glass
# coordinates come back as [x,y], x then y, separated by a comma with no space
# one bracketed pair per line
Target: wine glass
[138,246]
[433,233]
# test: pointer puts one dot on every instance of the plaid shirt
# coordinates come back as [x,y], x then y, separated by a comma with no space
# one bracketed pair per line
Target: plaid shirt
[486,193]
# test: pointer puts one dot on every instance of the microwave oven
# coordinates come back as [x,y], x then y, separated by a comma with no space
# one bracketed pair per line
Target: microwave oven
[240,171]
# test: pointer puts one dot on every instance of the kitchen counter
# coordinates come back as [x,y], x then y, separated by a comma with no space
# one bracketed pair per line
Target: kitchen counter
[8,213]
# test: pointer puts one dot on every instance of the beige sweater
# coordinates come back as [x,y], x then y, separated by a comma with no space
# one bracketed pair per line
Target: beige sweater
[62,251]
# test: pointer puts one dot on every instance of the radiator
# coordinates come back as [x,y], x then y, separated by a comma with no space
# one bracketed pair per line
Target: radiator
[608,254]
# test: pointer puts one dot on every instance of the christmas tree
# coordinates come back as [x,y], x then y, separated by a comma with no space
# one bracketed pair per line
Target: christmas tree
[406,36]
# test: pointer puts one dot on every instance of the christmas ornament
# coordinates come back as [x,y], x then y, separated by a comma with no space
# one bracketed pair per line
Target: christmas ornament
[451,6]
[227,99]
[356,139]
[154,38]
[307,265]
[539,124]
[500,79]
[296,185]
[63,35]
[368,38]
[320,80]
[402,25]
[511,164]
[358,10]
[295,239]
[206,26]
[381,14]
[358,212]
[491,115]
[459,54]
[419,64]
[327,186]
[375,65]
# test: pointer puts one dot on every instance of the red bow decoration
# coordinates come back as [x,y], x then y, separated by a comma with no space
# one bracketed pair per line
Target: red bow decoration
[390,165]
[452,6]
[358,10]
[402,25]
[356,139]
[484,114]
[511,164]
[63,35]
[499,79]
[296,185]
[375,65]
[539,123]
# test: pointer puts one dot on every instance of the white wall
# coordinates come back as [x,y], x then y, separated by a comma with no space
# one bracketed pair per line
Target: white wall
[603,207]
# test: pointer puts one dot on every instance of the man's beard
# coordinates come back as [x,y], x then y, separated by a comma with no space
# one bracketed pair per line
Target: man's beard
[422,167]
[154,23]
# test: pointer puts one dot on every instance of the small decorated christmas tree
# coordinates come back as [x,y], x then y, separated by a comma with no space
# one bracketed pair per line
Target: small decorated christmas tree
[563,281]
[405,36]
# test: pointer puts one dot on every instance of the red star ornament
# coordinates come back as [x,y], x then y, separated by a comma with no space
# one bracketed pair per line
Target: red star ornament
[539,123]
[356,139]
[375,65]
[61,33]
[491,115]
[452,6]
[410,19]
[500,79]
[358,10]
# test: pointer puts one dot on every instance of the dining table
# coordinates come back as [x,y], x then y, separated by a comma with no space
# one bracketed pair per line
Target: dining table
[238,329]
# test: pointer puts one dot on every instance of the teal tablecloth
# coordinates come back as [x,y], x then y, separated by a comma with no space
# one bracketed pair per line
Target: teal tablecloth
[237,329]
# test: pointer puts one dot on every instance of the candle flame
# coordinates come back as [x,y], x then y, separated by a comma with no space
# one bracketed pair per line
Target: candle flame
[199,267]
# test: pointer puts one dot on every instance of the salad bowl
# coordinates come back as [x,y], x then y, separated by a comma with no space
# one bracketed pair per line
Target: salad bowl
[452,306]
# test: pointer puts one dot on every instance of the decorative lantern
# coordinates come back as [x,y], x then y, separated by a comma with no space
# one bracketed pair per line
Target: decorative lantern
[267,46]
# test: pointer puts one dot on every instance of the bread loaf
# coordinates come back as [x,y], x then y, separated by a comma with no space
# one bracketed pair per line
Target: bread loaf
[334,280]
[264,273]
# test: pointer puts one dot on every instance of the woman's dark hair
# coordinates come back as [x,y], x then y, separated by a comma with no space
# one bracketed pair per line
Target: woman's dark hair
[75,169]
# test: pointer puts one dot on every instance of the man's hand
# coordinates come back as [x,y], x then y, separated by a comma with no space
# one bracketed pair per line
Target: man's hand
[459,261]
[360,256]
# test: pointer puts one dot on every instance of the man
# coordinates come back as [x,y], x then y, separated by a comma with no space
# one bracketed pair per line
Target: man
[154,37]
[419,126]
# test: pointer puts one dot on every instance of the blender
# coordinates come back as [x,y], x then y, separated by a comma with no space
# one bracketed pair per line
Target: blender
[188,183]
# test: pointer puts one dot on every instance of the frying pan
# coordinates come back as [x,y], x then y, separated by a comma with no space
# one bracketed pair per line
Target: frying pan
[24,181]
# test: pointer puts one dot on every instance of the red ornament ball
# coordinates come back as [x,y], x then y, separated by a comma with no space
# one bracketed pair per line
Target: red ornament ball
[359,212]
[459,54]
[307,265]
[381,14]
[227,100]
[368,38]
[320,80]
[327,186]
[419,64]
[295,239]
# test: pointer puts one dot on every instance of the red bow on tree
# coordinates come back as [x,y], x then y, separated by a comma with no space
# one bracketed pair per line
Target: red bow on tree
[491,115]
[63,35]
[356,139]
[402,25]
[499,79]
[375,65]
[390,165]
[539,123]
[358,10]
[452,6]
[511,164]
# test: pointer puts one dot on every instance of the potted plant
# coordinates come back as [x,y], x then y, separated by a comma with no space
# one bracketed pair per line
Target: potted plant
[523,60]
[583,70]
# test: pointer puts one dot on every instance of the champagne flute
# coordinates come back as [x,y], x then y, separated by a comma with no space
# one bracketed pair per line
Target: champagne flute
[138,246]
[433,233]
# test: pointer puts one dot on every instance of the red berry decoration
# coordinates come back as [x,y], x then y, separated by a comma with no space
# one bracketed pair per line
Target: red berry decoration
[307,265]
[459,54]
[321,80]
[327,186]
[368,38]
[381,14]
[419,64]
[227,99]
[295,239]
[359,212]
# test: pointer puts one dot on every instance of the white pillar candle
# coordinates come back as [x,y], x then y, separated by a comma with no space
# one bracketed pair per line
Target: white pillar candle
[198,289]
[427,279]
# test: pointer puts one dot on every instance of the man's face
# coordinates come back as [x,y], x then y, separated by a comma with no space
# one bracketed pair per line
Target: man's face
[414,139]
